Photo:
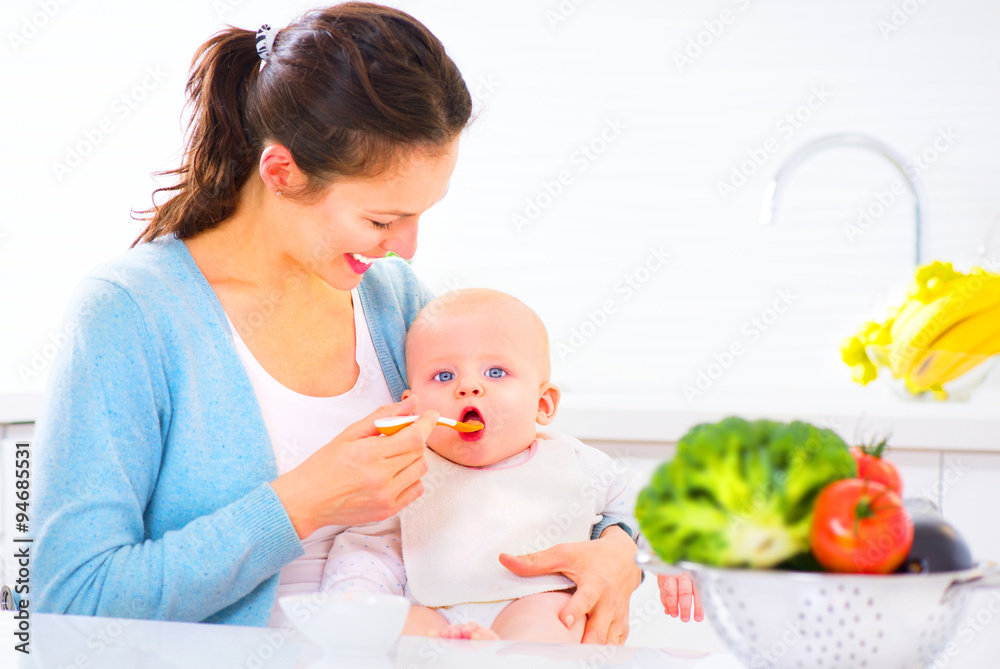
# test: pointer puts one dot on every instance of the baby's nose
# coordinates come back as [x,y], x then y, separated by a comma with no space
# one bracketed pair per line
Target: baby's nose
[469,387]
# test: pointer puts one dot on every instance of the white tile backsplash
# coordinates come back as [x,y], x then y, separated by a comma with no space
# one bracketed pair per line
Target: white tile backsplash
[971,500]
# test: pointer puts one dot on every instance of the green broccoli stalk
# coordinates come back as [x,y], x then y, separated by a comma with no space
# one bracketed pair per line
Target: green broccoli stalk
[741,494]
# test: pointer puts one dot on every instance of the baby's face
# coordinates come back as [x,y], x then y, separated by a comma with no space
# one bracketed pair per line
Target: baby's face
[487,364]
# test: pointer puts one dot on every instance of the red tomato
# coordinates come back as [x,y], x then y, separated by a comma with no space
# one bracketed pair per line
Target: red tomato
[871,466]
[860,527]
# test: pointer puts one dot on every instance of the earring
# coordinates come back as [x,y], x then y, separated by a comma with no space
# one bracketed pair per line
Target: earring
[279,193]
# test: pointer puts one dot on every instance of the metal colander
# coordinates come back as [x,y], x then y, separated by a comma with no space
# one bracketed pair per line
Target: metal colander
[775,619]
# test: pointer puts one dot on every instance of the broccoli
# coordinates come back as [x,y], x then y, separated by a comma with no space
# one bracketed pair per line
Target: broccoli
[740,493]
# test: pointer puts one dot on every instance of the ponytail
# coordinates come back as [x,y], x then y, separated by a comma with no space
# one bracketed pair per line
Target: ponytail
[219,157]
[344,89]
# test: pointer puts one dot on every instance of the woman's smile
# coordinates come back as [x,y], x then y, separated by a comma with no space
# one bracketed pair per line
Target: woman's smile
[358,262]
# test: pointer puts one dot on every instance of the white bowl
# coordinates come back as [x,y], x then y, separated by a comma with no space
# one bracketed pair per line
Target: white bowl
[356,623]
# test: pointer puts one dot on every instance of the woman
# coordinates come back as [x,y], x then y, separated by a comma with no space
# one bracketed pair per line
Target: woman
[209,426]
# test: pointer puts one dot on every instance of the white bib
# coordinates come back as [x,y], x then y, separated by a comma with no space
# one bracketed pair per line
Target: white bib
[454,533]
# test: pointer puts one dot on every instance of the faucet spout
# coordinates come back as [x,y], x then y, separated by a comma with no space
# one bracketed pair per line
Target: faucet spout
[774,188]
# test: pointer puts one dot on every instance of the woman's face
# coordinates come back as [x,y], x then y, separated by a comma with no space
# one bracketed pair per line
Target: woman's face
[360,220]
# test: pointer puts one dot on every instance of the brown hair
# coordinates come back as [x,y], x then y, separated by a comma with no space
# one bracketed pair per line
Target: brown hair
[345,89]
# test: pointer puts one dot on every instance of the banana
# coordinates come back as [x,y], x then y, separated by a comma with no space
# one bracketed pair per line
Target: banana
[948,325]
[967,296]
[854,353]
[934,285]
[901,353]
[930,281]
[963,347]
[905,314]
[972,361]
[864,352]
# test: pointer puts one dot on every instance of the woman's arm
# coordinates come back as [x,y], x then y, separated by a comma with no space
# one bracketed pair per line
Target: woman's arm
[100,448]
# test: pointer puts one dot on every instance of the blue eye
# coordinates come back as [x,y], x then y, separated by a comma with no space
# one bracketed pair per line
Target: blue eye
[495,373]
[444,377]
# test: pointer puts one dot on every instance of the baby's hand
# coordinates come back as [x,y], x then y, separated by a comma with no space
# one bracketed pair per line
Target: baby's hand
[678,596]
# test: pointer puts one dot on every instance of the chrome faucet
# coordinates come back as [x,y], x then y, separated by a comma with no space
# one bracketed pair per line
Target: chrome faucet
[773,191]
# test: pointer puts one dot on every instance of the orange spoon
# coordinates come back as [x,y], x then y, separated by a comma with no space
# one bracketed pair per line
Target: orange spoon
[394,424]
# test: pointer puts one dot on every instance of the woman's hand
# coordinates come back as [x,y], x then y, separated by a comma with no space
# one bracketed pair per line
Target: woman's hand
[605,574]
[359,477]
[678,596]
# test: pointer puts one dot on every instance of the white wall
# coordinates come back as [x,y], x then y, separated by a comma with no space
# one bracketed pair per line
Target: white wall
[548,83]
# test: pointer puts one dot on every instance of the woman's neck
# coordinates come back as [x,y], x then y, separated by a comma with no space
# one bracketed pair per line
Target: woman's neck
[248,248]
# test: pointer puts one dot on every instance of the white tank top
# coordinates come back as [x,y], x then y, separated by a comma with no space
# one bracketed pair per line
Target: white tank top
[299,425]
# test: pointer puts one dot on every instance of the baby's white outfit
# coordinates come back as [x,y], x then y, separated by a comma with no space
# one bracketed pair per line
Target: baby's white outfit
[450,538]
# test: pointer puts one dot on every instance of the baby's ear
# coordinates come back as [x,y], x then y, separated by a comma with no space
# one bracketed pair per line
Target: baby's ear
[548,402]
[406,394]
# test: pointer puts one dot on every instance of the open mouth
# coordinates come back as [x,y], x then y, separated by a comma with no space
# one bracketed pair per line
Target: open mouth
[471,414]
[359,263]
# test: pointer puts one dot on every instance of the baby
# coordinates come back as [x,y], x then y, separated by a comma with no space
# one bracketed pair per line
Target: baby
[482,355]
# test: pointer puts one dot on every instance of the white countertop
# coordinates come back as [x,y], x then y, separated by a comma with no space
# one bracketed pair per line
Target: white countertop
[913,425]
[58,641]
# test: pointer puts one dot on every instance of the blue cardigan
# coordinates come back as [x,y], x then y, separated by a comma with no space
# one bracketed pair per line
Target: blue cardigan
[152,496]
[151,493]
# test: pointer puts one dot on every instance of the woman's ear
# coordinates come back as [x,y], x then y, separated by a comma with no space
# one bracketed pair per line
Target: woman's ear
[278,170]
[548,402]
